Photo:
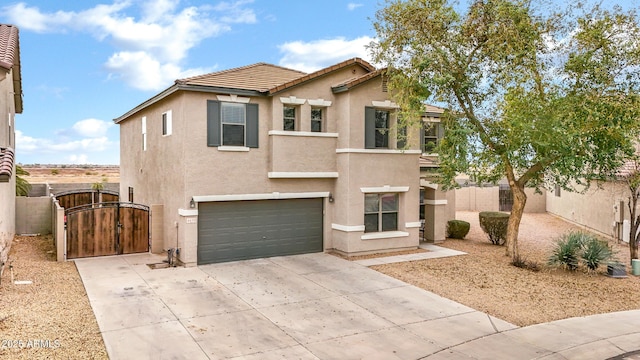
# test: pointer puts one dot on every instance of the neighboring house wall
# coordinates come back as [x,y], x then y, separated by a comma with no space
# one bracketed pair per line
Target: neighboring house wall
[334,164]
[10,104]
[475,198]
[597,209]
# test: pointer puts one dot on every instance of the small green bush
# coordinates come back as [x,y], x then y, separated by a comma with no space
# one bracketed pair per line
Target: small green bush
[457,229]
[494,224]
[579,247]
[595,252]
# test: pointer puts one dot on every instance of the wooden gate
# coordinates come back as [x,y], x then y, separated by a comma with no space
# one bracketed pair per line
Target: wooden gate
[107,228]
[73,198]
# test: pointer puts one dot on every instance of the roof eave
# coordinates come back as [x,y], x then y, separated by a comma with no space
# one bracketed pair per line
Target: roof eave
[177,87]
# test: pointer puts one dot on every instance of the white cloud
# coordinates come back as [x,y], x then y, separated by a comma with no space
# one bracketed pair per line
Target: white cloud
[78,159]
[30,145]
[353,6]
[92,128]
[160,38]
[314,55]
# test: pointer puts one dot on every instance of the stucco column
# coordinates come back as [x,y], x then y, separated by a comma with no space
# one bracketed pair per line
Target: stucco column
[435,215]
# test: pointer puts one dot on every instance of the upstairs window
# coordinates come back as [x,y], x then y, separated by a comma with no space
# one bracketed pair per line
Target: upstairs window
[289,118]
[232,124]
[316,120]
[432,132]
[144,133]
[380,212]
[377,123]
[233,118]
[166,123]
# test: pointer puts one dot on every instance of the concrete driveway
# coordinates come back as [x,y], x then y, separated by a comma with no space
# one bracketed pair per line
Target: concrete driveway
[304,307]
[316,306]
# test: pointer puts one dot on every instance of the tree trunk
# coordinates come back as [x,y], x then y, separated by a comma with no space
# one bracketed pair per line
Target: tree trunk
[635,223]
[519,201]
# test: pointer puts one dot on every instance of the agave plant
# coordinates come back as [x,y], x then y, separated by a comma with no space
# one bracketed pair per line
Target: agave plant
[567,250]
[595,252]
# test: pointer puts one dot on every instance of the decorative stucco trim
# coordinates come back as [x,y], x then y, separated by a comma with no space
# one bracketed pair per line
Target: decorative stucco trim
[188,212]
[415,224]
[301,175]
[302,133]
[379,151]
[387,104]
[319,102]
[435,202]
[233,148]
[428,184]
[234,98]
[384,189]
[348,228]
[265,196]
[384,235]
[292,100]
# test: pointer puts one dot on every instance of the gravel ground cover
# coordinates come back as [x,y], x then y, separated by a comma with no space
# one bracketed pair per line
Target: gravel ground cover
[485,280]
[51,318]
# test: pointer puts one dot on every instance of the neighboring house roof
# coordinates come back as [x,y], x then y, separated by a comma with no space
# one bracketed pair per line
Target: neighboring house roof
[258,77]
[6,164]
[10,60]
[251,80]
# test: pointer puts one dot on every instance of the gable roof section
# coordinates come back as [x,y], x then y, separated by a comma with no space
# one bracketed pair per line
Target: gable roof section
[10,59]
[353,82]
[257,77]
[6,164]
[322,72]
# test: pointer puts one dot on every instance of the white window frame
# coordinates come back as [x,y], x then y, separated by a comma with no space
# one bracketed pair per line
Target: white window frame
[380,212]
[166,123]
[285,118]
[322,111]
[223,123]
[144,133]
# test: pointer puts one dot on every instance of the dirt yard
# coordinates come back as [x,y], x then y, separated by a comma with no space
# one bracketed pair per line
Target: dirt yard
[40,174]
[51,318]
[485,280]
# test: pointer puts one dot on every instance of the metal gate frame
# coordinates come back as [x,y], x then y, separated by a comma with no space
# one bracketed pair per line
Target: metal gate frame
[113,234]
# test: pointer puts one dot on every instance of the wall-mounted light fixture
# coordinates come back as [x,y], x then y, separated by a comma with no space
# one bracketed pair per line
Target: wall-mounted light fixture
[331,197]
[192,204]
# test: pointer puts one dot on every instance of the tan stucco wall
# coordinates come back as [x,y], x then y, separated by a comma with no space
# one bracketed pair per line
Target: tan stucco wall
[474,198]
[7,189]
[593,209]
[178,167]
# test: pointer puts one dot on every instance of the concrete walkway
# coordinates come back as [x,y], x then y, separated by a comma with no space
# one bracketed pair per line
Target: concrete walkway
[316,306]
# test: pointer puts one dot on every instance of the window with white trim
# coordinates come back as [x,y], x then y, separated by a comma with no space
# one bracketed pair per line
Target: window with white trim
[233,117]
[144,133]
[166,123]
[380,212]
[289,118]
[316,119]
[377,123]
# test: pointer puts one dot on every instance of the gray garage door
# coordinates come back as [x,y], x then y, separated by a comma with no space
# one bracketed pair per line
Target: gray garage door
[239,230]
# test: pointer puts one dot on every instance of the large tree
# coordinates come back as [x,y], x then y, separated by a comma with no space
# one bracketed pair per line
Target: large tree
[538,96]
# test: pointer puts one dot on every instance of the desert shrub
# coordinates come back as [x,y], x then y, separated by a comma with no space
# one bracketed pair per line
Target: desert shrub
[579,247]
[566,253]
[494,224]
[523,263]
[55,171]
[457,229]
[595,252]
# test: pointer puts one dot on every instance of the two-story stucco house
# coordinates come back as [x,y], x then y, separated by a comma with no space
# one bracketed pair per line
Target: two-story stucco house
[262,160]
[10,104]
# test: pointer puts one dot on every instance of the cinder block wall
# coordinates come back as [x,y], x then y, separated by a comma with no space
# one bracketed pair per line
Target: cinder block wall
[33,215]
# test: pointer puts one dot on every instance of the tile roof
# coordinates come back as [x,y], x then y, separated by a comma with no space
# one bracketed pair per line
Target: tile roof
[350,83]
[6,164]
[324,71]
[257,77]
[10,59]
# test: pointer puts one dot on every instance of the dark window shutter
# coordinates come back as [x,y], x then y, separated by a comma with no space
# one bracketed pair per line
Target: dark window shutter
[422,137]
[213,123]
[369,128]
[252,126]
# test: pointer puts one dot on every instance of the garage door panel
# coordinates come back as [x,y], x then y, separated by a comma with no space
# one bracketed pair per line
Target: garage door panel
[239,230]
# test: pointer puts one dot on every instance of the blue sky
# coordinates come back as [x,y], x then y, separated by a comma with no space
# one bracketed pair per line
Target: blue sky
[87,62]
